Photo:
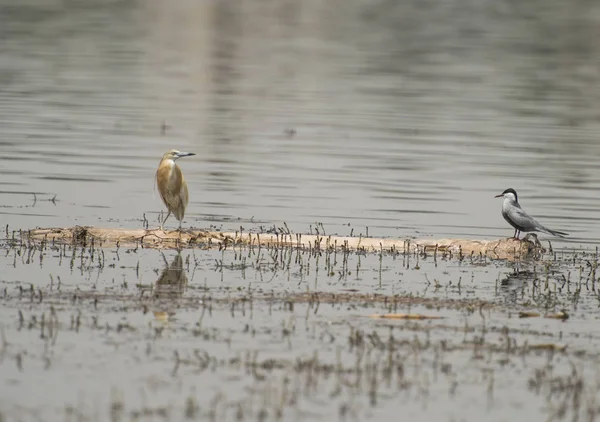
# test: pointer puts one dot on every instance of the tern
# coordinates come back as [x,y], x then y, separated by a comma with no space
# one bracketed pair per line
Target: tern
[519,219]
[172,186]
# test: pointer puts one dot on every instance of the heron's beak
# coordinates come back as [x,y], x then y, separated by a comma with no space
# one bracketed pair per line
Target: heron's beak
[185,154]
[499,196]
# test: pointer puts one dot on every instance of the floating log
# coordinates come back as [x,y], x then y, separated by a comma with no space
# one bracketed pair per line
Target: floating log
[529,314]
[173,239]
[405,316]
[548,346]
[562,315]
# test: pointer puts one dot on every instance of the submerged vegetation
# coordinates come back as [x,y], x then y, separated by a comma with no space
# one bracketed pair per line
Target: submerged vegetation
[276,331]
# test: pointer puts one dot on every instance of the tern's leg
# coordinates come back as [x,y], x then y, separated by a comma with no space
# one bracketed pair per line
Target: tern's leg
[179,225]
[163,222]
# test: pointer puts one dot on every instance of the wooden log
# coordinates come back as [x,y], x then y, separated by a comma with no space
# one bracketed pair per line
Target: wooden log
[405,316]
[506,248]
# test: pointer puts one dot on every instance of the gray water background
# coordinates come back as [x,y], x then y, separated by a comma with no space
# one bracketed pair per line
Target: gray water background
[404,117]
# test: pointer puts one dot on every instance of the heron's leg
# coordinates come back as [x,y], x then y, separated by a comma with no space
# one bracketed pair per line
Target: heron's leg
[179,225]
[515,234]
[518,233]
[163,222]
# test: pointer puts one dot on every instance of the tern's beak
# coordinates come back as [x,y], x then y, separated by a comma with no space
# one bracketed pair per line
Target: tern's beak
[185,154]
[499,196]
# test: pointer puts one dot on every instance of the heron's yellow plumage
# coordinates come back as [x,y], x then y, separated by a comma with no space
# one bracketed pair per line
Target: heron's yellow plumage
[171,184]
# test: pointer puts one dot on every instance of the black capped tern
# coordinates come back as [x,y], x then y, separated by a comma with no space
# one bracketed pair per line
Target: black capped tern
[518,218]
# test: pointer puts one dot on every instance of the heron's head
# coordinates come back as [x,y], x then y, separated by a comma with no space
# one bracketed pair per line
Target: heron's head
[509,194]
[174,154]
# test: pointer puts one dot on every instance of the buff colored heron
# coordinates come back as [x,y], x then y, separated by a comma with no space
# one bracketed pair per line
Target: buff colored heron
[172,186]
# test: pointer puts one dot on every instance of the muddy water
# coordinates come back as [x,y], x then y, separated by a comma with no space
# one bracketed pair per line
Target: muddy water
[134,334]
[402,119]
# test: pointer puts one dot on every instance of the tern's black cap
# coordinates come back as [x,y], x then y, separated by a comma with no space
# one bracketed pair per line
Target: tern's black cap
[511,190]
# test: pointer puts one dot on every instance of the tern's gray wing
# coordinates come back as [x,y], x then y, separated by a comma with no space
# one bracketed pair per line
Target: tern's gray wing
[521,220]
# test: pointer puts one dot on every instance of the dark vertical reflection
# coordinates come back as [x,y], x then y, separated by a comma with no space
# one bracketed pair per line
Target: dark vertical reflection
[225,69]
[173,280]
[225,114]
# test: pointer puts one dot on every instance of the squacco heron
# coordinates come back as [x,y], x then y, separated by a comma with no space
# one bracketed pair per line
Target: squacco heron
[172,186]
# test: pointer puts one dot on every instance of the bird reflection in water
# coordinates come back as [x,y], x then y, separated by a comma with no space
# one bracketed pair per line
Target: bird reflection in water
[172,281]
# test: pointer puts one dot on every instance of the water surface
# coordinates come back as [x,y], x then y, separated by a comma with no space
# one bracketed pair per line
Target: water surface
[397,117]
[389,118]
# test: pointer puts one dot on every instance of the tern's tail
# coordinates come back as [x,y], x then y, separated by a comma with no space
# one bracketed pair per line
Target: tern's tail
[554,232]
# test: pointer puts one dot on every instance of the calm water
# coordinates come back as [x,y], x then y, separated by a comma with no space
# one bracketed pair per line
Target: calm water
[406,118]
